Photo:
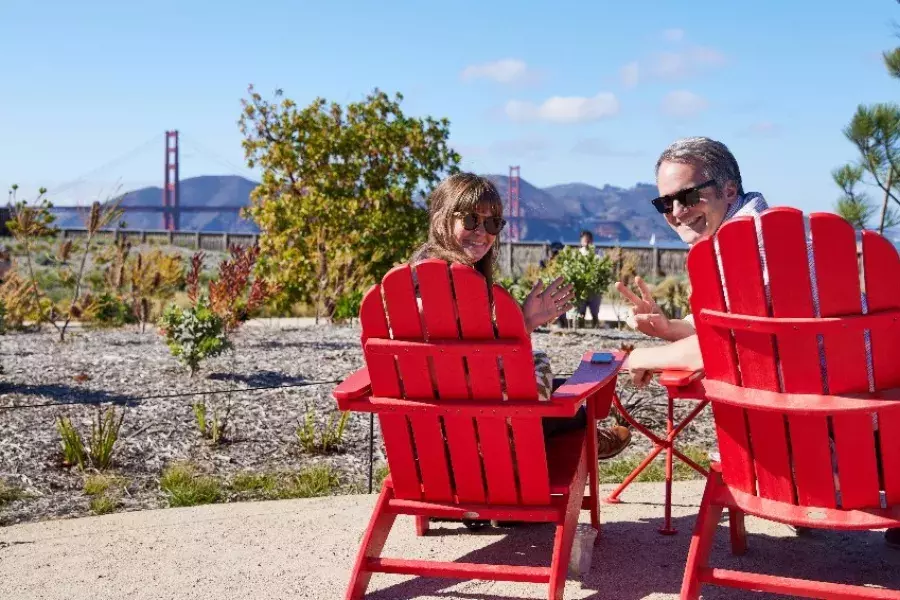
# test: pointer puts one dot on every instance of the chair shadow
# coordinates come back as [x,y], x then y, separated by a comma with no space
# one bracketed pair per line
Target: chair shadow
[632,561]
[67,394]
[258,378]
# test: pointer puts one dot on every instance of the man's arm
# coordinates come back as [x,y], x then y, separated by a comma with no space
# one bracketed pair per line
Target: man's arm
[681,354]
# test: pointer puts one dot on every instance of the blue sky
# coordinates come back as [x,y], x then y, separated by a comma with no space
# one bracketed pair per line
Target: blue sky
[582,91]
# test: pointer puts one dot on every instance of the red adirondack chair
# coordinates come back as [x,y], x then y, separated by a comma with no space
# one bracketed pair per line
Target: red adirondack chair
[456,447]
[779,427]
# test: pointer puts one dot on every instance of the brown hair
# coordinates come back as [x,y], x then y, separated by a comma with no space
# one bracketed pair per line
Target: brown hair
[460,193]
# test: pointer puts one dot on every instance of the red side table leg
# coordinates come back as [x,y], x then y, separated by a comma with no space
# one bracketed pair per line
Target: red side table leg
[660,444]
[667,528]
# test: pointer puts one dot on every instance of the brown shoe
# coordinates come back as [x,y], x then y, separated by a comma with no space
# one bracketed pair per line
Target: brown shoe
[612,440]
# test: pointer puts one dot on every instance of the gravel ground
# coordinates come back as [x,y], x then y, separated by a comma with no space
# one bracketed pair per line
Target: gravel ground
[123,366]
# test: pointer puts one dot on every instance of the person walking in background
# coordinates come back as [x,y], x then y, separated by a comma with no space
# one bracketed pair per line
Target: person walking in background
[593,301]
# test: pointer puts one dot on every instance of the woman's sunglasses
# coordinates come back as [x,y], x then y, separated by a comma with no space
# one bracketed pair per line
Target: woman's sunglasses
[492,225]
[687,197]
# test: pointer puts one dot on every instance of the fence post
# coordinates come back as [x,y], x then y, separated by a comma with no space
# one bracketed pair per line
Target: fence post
[655,260]
[509,258]
[225,241]
[143,236]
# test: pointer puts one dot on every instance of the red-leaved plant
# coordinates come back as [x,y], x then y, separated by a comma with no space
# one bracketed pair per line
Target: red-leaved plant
[228,295]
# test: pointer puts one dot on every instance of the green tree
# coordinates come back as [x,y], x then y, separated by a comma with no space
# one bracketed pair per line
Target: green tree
[336,205]
[875,131]
[855,206]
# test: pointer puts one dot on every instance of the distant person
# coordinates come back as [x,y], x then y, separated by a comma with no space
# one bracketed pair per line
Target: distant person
[593,301]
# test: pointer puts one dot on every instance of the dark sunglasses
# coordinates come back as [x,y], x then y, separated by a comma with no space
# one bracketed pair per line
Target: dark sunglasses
[492,225]
[686,197]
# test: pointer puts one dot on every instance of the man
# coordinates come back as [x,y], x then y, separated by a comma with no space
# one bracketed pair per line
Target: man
[592,301]
[700,188]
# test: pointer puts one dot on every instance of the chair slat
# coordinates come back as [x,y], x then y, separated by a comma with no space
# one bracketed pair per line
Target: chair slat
[720,362]
[441,323]
[510,324]
[742,272]
[493,433]
[790,285]
[465,459]
[838,279]
[382,369]
[432,454]
[475,324]
[882,293]
[531,461]
[889,432]
[401,458]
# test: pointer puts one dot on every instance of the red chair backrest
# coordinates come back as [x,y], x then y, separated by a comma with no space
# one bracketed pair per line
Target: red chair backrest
[459,354]
[788,455]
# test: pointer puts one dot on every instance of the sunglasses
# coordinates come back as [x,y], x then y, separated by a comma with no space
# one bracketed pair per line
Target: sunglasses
[686,197]
[492,225]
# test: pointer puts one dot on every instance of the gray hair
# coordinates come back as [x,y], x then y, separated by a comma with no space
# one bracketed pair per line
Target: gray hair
[714,159]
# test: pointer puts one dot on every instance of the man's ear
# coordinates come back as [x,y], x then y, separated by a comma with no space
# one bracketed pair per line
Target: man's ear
[729,190]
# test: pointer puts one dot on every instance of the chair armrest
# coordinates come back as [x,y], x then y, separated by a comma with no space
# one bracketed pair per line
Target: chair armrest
[589,379]
[355,386]
[683,383]
[678,377]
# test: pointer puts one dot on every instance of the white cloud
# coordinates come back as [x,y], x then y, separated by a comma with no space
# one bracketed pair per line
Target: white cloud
[683,104]
[630,74]
[506,71]
[673,35]
[565,109]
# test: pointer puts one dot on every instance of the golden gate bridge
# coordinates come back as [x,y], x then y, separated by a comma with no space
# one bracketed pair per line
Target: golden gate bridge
[171,207]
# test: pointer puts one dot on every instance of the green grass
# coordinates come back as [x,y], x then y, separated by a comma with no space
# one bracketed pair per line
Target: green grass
[183,486]
[105,491]
[10,493]
[615,471]
[321,480]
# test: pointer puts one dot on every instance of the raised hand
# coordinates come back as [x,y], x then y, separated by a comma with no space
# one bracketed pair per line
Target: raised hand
[546,304]
[645,314]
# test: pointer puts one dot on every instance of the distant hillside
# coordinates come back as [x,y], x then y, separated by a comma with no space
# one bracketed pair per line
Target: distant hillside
[558,212]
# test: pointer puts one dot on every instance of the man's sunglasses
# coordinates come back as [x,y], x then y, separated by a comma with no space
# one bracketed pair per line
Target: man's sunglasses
[492,225]
[687,197]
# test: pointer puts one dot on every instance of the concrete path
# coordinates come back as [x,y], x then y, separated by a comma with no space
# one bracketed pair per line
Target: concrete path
[303,549]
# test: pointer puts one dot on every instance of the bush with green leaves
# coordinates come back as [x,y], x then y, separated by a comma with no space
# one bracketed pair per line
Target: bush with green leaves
[194,334]
[347,307]
[108,311]
[589,274]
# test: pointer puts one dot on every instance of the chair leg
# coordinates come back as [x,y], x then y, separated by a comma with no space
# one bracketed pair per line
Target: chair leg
[593,467]
[421,526]
[701,541]
[565,536]
[372,544]
[738,531]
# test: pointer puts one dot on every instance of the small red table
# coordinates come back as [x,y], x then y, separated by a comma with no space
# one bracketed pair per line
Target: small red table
[679,385]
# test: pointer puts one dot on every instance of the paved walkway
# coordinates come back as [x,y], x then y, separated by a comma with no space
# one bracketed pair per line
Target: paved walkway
[303,549]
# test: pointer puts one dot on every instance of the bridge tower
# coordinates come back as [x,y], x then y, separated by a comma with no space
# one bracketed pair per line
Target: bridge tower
[171,211]
[513,204]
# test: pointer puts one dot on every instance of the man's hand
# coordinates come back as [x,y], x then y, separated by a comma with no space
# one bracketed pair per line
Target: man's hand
[640,372]
[544,305]
[648,317]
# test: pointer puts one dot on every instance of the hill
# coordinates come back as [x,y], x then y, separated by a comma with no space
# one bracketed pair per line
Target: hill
[557,212]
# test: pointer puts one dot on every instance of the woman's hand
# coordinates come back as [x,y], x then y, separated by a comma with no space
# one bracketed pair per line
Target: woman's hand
[544,305]
[647,316]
